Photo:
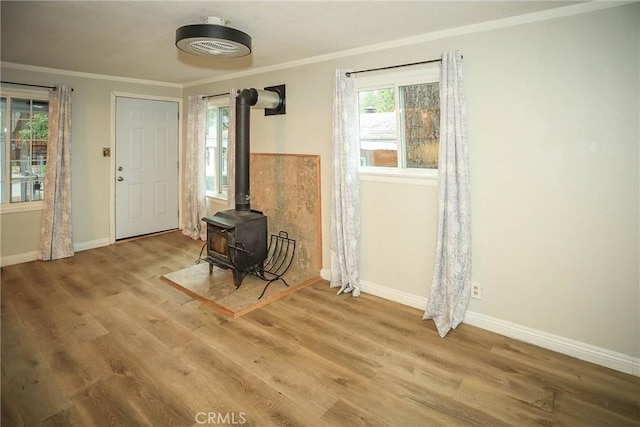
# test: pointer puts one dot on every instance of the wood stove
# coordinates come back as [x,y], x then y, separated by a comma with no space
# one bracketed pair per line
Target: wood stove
[237,238]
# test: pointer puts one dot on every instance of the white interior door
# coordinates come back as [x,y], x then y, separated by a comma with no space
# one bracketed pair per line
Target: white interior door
[146,190]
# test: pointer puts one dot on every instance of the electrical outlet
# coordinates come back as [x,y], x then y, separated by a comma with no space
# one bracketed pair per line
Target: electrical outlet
[476,290]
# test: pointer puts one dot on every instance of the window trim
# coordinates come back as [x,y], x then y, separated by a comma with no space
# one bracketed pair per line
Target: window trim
[7,208]
[34,94]
[397,174]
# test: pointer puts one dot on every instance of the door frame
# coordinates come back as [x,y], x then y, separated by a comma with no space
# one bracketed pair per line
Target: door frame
[112,161]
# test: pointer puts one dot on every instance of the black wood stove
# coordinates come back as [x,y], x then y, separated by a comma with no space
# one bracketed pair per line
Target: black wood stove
[237,238]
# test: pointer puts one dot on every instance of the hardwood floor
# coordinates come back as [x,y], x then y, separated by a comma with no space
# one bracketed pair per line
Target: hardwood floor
[100,340]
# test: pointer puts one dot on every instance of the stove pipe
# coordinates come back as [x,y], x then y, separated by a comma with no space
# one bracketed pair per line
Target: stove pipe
[244,101]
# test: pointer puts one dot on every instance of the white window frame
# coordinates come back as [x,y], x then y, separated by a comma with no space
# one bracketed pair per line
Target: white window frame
[7,207]
[397,174]
[218,103]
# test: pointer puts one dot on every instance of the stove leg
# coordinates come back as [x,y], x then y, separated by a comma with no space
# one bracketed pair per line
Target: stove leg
[238,277]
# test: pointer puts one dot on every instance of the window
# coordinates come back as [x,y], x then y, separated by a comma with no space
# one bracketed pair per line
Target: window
[216,148]
[399,123]
[24,132]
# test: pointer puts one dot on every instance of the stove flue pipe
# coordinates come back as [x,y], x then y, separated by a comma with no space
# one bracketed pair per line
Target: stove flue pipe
[244,101]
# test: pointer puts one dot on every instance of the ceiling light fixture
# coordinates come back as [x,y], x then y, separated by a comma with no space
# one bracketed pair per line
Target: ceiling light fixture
[213,38]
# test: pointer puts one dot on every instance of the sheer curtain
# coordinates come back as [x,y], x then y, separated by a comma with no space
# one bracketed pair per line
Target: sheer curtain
[195,199]
[345,192]
[56,237]
[231,150]
[450,288]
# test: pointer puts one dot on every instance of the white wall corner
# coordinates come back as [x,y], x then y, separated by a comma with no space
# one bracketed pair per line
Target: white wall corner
[579,350]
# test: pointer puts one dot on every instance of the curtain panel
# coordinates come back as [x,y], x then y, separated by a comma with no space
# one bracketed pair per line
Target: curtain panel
[195,199]
[451,288]
[345,191]
[56,236]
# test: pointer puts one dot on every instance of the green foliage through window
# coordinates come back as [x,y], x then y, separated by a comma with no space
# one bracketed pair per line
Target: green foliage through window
[37,128]
[24,125]
[377,101]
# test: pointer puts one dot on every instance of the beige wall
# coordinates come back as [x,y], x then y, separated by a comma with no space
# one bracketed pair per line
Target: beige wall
[556,176]
[91,174]
[553,110]
[554,129]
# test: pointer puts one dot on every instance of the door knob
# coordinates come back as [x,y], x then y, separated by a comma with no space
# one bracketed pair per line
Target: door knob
[120,178]
[120,168]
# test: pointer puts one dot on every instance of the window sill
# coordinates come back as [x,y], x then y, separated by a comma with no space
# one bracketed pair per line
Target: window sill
[217,198]
[20,207]
[395,176]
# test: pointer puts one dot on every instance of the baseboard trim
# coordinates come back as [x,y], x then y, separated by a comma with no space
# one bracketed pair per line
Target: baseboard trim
[32,256]
[92,244]
[18,259]
[583,351]
[579,350]
[395,295]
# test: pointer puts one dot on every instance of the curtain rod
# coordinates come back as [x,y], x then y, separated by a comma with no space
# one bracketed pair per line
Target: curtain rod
[217,94]
[30,85]
[349,73]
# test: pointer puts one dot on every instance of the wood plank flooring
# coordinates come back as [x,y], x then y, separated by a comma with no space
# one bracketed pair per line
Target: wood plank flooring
[100,340]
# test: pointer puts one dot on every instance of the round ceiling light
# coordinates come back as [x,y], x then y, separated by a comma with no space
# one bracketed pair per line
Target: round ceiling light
[213,38]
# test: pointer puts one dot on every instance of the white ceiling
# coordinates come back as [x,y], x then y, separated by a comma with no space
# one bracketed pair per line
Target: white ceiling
[136,39]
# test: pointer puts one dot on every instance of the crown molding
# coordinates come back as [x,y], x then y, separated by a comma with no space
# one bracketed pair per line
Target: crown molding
[58,71]
[545,15]
[576,9]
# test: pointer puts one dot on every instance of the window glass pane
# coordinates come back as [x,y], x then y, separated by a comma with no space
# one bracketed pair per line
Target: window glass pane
[378,128]
[29,130]
[216,150]
[211,146]
[3,148]
[421,124]
[224,138]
